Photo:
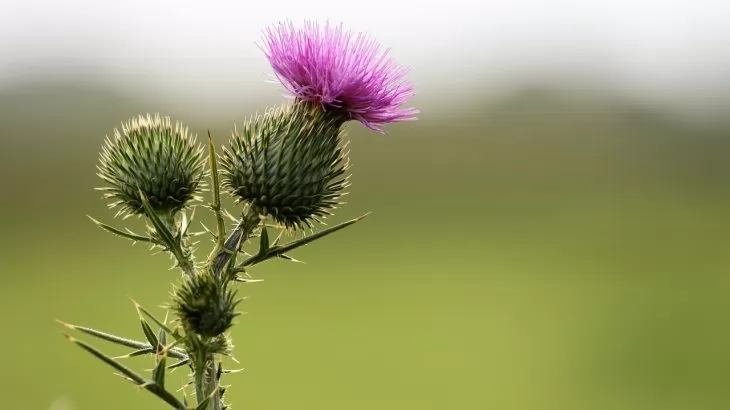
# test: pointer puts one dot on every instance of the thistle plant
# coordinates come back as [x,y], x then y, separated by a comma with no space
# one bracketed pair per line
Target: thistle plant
[286,169]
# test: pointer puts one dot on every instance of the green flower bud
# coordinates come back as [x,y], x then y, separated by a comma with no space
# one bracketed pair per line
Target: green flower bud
[151,155]
[289,163]
[205,305]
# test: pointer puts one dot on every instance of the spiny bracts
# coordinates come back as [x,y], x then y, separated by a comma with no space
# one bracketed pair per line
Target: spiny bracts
[289,163]
[151,155]
[205,305]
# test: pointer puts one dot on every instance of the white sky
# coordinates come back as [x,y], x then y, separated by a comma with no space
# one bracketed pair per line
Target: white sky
[648,46]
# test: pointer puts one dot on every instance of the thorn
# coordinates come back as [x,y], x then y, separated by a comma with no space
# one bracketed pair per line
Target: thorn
[361,217]
[146,384]
[68,325]
[125,378]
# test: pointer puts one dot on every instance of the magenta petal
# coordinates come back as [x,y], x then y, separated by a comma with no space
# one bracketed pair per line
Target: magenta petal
[336,68]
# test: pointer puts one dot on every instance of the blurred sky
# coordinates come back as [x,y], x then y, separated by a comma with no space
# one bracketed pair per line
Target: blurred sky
[668,51]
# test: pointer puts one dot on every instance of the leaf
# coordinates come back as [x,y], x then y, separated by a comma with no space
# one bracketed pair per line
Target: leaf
[162,230]
[118,232]
[131,375]
[264,241]
[162,337]
[216,206]
[158,373]
[162,324]
[149,334]
[176,353]
[280,250]
[178,364]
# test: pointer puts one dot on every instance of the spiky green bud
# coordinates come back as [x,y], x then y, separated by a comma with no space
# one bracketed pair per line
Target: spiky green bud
[289,163]
[151,155]
[205,305]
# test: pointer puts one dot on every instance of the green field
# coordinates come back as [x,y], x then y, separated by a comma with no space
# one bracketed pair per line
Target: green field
[537,251]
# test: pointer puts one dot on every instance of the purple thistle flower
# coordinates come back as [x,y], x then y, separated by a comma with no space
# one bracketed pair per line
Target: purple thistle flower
[340,71]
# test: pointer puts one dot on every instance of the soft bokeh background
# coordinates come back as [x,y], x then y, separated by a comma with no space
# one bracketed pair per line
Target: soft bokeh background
[554,233]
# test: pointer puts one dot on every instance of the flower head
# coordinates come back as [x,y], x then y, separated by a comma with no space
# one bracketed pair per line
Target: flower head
[151,155]
[289,163]
[341,71]
[204,306]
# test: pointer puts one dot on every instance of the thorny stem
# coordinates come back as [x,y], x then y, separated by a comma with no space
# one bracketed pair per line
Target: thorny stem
[199,378]
[184,257]
[206,375]
[211,383]
[238,236]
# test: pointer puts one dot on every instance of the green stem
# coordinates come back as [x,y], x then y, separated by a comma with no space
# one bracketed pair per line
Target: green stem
[211,384]
[206,383]
[184,256]
[199,377]
[238,236]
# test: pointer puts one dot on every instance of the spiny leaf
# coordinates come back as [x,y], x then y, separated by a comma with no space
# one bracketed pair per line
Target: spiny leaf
[158,373]
[149,334]
[108,337]
[178,364]
[176,353]
[279,250]
[130,374]
[162,324]
[116,231]
[264,241]
[162,337]
[162,230]
[216,206]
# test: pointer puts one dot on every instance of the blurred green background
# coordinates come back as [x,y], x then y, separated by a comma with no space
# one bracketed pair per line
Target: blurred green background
[540,250]
[547,243]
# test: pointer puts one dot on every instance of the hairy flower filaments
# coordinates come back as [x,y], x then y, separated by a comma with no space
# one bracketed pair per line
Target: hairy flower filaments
[289,163]
[339,70]
[151,155]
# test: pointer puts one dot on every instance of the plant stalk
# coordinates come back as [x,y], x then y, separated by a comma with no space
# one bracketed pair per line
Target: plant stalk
[182,255]
[207,383]
[211,384]
[238,236]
